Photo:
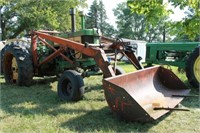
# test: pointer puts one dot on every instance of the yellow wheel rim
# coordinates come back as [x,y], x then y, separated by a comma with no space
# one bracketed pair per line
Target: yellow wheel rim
[196,68]
[14,70]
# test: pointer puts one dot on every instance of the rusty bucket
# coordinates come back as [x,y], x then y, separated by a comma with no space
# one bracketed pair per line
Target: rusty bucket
[135,96]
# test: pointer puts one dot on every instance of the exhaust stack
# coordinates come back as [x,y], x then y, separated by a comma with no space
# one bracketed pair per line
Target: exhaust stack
[72,12]
[81,14]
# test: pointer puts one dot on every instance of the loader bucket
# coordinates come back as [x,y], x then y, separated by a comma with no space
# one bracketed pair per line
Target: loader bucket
[135,96]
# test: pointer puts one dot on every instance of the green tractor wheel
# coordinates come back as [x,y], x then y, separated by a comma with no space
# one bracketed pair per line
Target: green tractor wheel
[17,65]
[70,86]
[193,68]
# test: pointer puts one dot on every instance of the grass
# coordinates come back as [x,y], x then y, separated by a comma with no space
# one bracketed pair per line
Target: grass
[38,109]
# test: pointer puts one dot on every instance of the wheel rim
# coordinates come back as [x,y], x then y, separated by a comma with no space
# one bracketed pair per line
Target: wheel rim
[11,68]
[66,87]
[196,68]
[14,68]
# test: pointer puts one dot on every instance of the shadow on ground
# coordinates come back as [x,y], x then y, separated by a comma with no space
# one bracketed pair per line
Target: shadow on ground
[39,97]
[105,120]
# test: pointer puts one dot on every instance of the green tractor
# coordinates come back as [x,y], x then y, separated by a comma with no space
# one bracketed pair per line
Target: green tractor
[184,55]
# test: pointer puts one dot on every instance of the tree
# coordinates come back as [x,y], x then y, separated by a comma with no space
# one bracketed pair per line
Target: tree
[135,26]
[153,10]
[18,17]
[96,18]
[92,16]
[102,18]
[180,28]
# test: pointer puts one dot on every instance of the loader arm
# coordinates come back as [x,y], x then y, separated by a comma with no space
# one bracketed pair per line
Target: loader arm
[96,53]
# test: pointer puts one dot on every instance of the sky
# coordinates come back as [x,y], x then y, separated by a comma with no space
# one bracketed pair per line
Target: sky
[111,4]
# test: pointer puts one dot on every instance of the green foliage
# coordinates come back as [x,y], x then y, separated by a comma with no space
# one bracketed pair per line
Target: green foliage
[184,3]
[3,2]
[21,16]
[154,10]
[136,26]
[182,29]
[96,18]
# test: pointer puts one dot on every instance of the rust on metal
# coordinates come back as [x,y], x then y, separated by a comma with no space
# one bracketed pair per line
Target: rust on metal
[134,96]
[34,52]
[68,43]
[49,32]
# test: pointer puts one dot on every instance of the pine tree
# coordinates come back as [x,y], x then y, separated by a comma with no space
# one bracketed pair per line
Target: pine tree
[92,16]
[96,18]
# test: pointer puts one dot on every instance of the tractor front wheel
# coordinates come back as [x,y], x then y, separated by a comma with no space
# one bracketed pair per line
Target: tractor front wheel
[193,68]
[70,86]
[17,65]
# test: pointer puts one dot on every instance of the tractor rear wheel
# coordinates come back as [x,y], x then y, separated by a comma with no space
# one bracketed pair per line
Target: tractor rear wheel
[193,68]
[17,65]
[2,54]
[70,86]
